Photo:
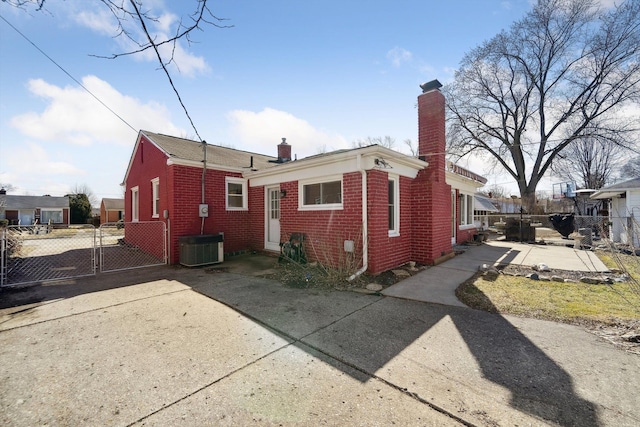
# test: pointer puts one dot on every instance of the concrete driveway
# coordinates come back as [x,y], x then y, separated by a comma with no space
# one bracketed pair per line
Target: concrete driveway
[172,346]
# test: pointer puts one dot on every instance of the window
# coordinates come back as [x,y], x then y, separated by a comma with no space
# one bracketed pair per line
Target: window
[321,195]
[394,207]
[53,215]
[466,209]
[155,190]
[134,204]
[236,194]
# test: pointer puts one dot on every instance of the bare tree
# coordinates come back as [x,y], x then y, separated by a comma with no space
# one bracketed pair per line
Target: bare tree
[631,169]
[588,161]
[6,186]
[85,190]
[385,141]
[131,22]
[562,73]
[412,148]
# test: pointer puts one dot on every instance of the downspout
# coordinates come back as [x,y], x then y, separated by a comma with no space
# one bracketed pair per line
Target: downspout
[204,176]
[365,226]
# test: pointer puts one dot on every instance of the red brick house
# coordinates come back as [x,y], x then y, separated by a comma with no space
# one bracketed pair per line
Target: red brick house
[111,210]
[371,206]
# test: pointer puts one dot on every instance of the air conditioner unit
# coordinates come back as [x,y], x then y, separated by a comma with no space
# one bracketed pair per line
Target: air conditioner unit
[201,249]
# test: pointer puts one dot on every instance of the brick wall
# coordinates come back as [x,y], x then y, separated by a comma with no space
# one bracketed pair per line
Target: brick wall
[387,252]
[431,211]
[326,230]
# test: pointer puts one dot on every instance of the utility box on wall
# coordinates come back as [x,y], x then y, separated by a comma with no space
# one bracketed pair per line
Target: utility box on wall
[201,249]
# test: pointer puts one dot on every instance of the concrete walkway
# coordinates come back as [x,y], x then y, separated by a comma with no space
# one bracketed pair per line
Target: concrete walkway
[191,347]
[438,284]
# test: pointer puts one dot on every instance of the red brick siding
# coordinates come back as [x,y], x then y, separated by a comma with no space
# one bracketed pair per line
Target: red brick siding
[148,163]
[431,194]
[326,230]
[186,197]
[387,252]
[256,227]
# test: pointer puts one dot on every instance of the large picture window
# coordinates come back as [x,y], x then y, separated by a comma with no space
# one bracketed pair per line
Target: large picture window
[53,215]
[321,195]
[236,194]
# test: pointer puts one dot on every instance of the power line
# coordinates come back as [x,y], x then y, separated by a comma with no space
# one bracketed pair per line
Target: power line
[70,76]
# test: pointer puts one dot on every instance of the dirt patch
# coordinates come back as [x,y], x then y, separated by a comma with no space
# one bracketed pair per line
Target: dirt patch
[314,275]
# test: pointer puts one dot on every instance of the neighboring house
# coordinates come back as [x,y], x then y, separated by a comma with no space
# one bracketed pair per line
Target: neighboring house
[111,210]
[484,207]
[29,210]
[624,210]
[370,206]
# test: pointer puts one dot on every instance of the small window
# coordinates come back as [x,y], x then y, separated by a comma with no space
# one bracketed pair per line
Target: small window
[321,195]
[394,207]
[236,194]
[134,205]
[155,190]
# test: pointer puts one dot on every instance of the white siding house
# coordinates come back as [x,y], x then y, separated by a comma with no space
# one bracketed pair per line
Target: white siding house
[624,210]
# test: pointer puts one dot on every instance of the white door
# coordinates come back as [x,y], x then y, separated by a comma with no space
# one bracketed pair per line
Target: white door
[273,219]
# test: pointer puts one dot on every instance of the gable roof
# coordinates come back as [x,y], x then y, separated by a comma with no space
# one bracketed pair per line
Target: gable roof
[113,204]
[191,151]
[33,202]
[616,189]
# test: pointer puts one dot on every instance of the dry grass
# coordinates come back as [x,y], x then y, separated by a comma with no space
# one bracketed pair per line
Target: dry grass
[566,302]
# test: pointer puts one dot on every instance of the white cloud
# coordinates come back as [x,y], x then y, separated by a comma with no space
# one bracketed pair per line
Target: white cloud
[105,23]
[32,168]
[398,56]
[74,116]
[261,132]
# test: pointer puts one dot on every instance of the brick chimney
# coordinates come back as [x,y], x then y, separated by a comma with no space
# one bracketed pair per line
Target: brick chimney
[431,213]
[284,151]
[431,129]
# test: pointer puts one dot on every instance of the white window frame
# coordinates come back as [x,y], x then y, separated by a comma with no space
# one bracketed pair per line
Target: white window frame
[155,201]
[395,181]
[466,211]
[320,206]
[43,210]
[135,204]
[244,195]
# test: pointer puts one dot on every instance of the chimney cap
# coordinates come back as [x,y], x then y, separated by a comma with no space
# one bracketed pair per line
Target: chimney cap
[433,84]
[284,141]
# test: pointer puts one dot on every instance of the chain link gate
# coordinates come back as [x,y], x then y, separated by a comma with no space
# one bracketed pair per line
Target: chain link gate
[38,253]
[132,245]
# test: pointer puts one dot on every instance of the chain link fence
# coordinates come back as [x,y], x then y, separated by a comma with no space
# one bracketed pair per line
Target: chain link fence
[39,253]
[132,245]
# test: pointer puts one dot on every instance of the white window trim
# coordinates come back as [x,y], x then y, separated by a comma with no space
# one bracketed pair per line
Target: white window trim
[395,232]
[465,208]
[155,195]
[245,198]
[135,204]
[320,207]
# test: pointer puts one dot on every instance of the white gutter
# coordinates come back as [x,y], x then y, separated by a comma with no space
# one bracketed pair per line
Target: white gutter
[365,225]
